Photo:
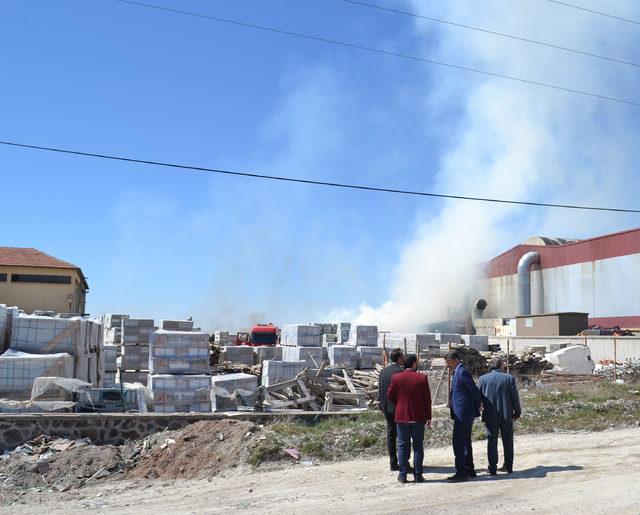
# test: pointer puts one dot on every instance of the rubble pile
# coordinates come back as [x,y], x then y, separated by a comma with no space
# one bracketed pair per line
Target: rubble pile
[628,372]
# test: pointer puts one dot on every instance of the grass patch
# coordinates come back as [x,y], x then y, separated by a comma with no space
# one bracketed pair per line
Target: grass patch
[264,450]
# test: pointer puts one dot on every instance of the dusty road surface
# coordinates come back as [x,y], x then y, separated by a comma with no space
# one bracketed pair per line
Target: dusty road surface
[555,473]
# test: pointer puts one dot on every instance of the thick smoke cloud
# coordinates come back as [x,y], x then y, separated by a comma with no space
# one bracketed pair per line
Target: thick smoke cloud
[517,142]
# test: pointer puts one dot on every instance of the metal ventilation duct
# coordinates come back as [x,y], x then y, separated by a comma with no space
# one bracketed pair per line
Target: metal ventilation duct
[524,281]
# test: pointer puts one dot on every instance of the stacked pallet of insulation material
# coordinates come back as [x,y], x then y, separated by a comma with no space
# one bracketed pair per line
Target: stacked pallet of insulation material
[110,354]
[18,370]
[39,336]
[230,391]
[298,335]
[176,325]
[136,334]
[343,331]
[225,338]
[364,336]
[179,360]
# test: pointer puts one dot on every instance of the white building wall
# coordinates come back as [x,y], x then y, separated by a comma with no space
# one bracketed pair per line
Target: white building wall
[603,288]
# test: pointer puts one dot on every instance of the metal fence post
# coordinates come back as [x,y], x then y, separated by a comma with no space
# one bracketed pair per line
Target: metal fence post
[508,355]
[615,358]
[448,380]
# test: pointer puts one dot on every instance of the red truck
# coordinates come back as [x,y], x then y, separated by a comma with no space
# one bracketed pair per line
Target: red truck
[261,334]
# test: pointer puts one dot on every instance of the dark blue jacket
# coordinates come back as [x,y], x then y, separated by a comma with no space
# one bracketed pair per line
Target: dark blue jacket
[499,397]
[465,396]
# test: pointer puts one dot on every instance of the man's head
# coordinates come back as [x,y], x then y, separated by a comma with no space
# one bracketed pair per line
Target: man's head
[411,361]
[452,359]
[397,357]
[497,363]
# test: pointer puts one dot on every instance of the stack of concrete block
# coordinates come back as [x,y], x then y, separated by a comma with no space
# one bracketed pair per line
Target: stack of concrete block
[299,335]
[112,328]
[426,341]
[343,332]
[242,354]
[369,357]
[476,341]
[224,338]
[312,356]
[174,358]
[229,391]
[343,356]
[267,352]
[327,328]
[364,336]
[448,338]
[110,353]
[3,326]
[274,372]
[180,393]
[329,339]
[176,325]
[133,376]
[179,352]
[136,335]
[18,370]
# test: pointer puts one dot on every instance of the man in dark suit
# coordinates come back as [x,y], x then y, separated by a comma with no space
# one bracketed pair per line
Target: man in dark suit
[464,404]
[409,391]
[501,408]
[387,407]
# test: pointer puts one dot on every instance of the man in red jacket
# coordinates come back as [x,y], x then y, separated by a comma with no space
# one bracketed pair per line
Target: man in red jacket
[409,391]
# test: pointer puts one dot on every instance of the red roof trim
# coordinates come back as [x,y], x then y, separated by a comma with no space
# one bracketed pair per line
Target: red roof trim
[17,256]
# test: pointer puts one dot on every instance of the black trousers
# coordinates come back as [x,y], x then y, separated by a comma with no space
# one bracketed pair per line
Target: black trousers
[392,436]
[505,429]
[462,449]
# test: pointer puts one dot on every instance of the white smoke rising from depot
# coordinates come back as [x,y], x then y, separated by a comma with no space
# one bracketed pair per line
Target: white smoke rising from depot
[517,142]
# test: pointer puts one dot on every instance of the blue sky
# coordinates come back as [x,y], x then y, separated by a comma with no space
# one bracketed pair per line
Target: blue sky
[113,78]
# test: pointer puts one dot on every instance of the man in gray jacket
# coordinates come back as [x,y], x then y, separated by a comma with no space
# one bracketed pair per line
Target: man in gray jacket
[501,408]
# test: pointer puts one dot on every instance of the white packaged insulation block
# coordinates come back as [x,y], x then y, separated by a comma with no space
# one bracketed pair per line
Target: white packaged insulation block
[46,335]
[179,352]
[19,369]
[238,354]
[136,331]
[575,359]
[176,325]
[108,380]
[312,356]
[274,372]
[267,352]
[369,357]
[224,338]
[476,341]
[426,341]
[301,335]
[343,356]
[329,339]
[180,393]
[228,391]
[135,357]
[343,332]
[364,336]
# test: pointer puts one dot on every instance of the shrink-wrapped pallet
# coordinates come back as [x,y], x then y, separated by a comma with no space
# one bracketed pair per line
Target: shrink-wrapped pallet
[18,369]
[238,354]
[46,335]
[312,356]
[180,393]
[135,357]
[274,372]
[301,335]
[369,357]
[136,331]
[364,336]
[267,352]
[228,391]
[343,356]
[176,325]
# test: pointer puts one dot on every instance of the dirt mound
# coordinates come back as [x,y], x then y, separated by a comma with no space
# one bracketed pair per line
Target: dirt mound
[200,450]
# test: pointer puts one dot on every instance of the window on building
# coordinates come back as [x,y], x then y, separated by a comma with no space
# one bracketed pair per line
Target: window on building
[36,278]
[3,277]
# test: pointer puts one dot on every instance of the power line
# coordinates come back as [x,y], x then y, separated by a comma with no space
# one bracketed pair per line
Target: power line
[311,181]
[388,53]
[492,32]
[599,13]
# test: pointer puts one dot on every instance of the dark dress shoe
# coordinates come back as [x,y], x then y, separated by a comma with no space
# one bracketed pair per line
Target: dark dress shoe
[492,472]
[471,473]
[420,479]
[402,478]
[458,478]
[506,469]
[394,467]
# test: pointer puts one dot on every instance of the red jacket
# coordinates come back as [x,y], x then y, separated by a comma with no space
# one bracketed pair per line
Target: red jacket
[409,391]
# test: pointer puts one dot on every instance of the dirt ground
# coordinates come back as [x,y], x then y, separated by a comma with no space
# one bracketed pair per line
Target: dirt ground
[555,473]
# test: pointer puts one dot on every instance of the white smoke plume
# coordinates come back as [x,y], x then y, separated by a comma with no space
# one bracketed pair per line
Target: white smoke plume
[517,141]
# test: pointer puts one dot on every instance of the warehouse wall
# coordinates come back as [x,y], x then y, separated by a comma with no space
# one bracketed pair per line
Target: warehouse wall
[45,296]
[607,288]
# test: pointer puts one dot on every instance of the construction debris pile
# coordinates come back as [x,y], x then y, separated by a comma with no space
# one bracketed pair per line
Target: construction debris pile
[627,372]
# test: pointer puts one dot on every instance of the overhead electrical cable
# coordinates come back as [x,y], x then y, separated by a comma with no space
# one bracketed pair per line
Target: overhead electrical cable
[492,32]
[389,53]
[592,11]
[311,181]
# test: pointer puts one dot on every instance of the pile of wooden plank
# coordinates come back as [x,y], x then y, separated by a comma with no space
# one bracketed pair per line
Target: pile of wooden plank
[312,390]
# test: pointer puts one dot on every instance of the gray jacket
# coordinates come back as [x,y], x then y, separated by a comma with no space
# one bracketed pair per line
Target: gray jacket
[499,397]
[386,406]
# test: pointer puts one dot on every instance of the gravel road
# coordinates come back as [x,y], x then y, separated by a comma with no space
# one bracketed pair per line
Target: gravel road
[555,473]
